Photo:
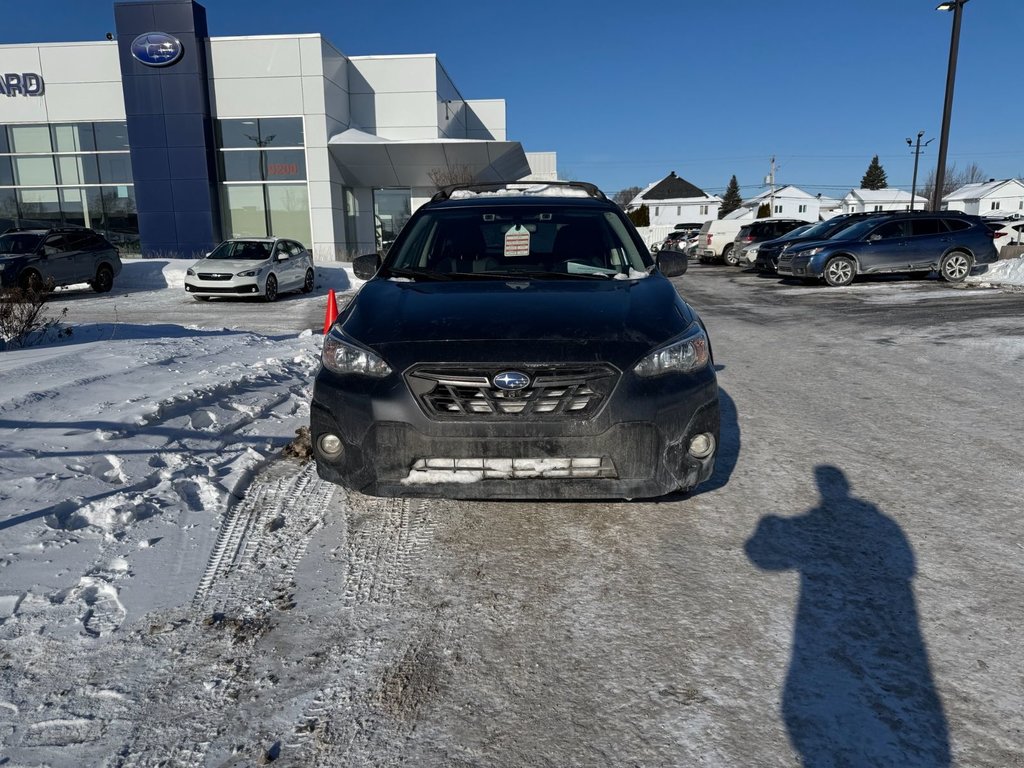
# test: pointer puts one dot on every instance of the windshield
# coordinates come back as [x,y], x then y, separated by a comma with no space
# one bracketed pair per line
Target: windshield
[855,231]
[255,250]
[504,240]
[24,242]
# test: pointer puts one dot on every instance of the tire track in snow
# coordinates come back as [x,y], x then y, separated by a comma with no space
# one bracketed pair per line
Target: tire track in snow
[248,579]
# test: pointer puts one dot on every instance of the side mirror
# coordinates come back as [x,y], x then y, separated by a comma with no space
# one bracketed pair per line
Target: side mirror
[672,263]
[281,256]
[874,238]
[366,266]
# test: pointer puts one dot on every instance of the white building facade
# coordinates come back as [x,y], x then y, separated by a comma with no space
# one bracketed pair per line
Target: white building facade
[990,198]
[673,200]
[168,140]
[877,200]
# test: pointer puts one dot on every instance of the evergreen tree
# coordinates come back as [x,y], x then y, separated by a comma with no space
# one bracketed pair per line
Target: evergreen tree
[641,217]
[874,177]
[731,200]
[764,211]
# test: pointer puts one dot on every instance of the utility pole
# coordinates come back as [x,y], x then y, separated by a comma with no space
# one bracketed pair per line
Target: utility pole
[770,180]
[917,154]
[957,7]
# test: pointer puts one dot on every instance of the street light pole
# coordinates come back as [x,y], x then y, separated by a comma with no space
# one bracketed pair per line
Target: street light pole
[917,154]
[957,7]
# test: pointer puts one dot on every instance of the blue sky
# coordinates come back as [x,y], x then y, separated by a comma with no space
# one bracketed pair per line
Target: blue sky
[625,93]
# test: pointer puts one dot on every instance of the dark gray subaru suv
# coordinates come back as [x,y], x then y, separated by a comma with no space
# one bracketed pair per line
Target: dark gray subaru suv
[947,241]
[36,258]
[517,342]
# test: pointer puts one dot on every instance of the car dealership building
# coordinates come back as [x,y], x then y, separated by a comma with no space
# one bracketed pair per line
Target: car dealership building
[168,140]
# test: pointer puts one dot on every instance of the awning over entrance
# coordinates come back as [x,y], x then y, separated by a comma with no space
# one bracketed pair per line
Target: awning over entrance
[371,161]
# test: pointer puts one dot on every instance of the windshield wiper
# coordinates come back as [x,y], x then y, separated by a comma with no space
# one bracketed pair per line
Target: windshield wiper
[417,274]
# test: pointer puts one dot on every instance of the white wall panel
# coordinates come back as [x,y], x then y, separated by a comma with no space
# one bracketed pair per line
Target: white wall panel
[69,102]
[82,63]
[313,95]
[389,74]
[254,58]
[263,97]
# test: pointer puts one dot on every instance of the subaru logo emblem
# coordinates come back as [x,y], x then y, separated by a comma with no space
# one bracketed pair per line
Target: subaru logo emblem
[511,381]
[156,49]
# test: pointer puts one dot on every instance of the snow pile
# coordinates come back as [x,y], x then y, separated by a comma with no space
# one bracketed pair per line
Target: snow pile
[1005,272]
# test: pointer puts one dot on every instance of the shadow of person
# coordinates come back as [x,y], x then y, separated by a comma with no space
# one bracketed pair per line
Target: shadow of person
[859,691]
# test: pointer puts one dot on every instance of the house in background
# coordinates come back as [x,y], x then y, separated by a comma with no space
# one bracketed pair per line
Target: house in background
[876,200]
[674,200]
[789,202]
[988,198]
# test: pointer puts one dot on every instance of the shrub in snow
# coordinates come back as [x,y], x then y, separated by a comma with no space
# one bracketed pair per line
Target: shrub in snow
[23,320]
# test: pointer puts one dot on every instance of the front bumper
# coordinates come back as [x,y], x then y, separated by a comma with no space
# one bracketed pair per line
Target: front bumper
[641,438]
[236,286]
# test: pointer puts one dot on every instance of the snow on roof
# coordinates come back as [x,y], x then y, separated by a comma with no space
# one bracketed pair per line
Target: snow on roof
[887,195]
[788,191]
[980,189]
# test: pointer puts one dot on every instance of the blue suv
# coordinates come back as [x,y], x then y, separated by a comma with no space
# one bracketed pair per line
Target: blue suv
[947,241]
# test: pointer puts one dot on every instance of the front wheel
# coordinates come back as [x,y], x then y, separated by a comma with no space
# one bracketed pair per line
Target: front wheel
[839,271]
[104,279]
[270,292]
[307,284]
[955,267]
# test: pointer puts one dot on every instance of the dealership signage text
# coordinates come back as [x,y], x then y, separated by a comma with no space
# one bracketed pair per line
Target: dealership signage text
[24,84]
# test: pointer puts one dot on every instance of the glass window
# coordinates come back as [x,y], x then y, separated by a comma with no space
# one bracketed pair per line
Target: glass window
[111,136]
[351,207]
[245,213]
[234,134]
[926,227]
[281,132]
[4,146]
[115,168]
[76,137]
[956,225]
[34,171]
[283,165]
[55,244]
[6,172]
[82,207]
[30,138]
[122,218]
[888,231]
[78,169]
[39,206]
[8,209]
[288,205]
[240,166]
[391,209]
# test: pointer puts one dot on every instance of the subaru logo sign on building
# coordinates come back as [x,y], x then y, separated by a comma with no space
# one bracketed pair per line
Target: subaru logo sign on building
[511,381]
[156,49]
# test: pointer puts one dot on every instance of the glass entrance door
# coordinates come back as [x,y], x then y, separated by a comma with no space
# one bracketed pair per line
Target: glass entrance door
[391,209]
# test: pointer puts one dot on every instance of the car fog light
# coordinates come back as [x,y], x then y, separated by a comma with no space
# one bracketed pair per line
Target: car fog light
[702,446]
[330,445]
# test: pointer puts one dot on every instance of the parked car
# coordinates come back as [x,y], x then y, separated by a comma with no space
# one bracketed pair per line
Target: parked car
[757,232]
[715,240]
[947,241]
[519,345]
[678,240]
[748,253]
[256,266]
[36,258]
[1006,232]
[767,256]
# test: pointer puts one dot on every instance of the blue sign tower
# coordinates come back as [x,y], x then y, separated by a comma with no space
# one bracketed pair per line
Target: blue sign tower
[162,50]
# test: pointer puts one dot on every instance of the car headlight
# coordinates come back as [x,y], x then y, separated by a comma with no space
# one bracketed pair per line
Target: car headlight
[190,272]
[249,273]
[812,251]
[341,357]
[689,353]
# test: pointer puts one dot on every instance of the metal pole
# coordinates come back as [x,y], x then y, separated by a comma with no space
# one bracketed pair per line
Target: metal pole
[954,44]
[913,184]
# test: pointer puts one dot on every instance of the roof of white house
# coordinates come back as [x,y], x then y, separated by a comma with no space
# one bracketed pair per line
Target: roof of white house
[787,192]
[672,190]
[879,196]
[981,189]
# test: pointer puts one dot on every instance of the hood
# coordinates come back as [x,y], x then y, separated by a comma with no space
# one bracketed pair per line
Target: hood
[612,319]
[228,265]
[803,245]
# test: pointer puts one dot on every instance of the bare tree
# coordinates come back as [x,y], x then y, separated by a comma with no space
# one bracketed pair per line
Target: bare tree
[623,197]
[450,174]
[955,178]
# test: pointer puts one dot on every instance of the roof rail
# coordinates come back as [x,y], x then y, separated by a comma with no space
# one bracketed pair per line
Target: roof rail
[445,193]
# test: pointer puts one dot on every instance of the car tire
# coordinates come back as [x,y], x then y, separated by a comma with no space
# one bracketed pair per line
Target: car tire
[104,279]
[839,271]
[309,282]
[955,266]
[31,281]
[727,256]
[270,290]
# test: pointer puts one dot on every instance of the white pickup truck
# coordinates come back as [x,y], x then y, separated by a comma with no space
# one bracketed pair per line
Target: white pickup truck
[714,243]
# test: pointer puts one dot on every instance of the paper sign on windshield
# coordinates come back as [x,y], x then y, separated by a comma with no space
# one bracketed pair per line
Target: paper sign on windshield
[517,241]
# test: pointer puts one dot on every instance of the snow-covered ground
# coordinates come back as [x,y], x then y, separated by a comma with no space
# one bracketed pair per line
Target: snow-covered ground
[174,593]
[1005,272]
